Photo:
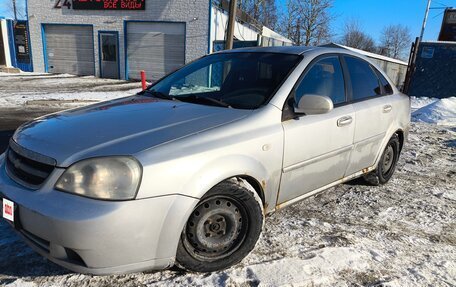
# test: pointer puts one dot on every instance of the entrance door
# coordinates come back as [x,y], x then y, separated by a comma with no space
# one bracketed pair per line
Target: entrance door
[109,54]
[2,48]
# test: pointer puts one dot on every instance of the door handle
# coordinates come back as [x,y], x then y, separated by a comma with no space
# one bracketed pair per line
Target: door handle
[344,121]
[387,108]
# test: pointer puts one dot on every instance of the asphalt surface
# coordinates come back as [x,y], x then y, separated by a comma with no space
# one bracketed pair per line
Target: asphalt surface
[11,119]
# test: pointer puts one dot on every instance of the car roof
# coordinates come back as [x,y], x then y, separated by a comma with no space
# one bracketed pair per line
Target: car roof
[297,50]
[301,50]
[294,50]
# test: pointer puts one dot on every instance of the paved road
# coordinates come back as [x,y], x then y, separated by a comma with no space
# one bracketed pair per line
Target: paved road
[10,119]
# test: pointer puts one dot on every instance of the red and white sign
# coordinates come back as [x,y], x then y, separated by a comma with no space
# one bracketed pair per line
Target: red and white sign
[8,210]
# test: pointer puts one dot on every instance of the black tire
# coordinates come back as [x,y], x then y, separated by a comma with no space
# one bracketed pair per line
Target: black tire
[222,229]
[387,163]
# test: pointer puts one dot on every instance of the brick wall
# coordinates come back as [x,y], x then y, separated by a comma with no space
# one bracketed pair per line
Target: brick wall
[194,12]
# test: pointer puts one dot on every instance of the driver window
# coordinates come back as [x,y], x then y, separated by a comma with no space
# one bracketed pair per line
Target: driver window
[325,78]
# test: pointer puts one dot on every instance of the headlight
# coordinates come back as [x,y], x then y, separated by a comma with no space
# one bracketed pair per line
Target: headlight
[111,178]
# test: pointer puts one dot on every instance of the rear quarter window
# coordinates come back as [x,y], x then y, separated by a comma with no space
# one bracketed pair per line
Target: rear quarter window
[387,88]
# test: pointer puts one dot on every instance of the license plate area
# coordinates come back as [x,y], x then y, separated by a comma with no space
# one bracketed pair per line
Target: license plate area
[10,212]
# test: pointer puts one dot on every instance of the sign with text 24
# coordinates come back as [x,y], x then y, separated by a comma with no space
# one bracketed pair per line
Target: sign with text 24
[109,4]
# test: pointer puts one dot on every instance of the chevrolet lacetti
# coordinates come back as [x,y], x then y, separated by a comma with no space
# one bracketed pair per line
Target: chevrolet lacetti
[184,172]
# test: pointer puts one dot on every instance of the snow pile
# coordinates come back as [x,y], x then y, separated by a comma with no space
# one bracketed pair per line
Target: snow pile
[441,112]
[419,102]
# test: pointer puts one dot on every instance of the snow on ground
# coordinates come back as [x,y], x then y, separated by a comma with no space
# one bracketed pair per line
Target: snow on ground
[17,90]
[399,234]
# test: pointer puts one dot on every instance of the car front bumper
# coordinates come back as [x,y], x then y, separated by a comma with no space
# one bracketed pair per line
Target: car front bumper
[94,236]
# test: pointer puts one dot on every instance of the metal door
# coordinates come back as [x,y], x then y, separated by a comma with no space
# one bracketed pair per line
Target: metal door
[109,54]
[69,49]
[156,47]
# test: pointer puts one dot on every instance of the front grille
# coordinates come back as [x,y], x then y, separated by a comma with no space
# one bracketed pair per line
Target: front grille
[26,167]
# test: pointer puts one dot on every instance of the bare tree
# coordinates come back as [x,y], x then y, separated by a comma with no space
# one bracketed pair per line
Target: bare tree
[307,22]
[353,36]
[395,41]
[289,22]
[264,11]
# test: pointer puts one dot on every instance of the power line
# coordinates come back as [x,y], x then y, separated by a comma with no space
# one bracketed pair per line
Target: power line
[438,15]
[440,3]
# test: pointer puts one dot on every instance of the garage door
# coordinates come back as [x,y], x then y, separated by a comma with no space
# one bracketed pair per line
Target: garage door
[69,49]
[157,48]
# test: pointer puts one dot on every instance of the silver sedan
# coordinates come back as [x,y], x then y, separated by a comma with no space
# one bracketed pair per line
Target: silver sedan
[184,172]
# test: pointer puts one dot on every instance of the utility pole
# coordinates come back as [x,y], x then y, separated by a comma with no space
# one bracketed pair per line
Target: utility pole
[425,20]
[14,10]
[231,23]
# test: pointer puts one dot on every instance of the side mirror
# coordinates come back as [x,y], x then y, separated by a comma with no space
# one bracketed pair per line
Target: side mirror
[314,105]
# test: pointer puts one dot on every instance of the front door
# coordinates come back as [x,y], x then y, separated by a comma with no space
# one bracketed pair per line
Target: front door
[317,147]
[109,54]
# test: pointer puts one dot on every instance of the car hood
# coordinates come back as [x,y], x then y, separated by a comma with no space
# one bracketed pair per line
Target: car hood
[120,127]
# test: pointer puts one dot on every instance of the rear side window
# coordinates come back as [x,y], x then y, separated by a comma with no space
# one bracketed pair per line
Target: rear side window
[325,78]
[365,83]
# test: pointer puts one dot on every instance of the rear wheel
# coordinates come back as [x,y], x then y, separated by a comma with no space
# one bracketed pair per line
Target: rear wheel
[222,229]
[387,163]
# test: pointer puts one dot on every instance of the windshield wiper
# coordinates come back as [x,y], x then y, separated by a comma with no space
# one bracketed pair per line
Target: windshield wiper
[159,95]
[195,98]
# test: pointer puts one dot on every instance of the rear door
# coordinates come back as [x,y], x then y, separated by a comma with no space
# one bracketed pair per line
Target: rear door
[317,147]
[373,112]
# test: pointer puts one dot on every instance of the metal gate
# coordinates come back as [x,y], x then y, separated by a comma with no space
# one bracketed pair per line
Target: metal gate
[156,47]
[69,49]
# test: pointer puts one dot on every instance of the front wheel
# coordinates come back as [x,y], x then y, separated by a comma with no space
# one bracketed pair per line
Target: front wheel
[387,163]
[222,229]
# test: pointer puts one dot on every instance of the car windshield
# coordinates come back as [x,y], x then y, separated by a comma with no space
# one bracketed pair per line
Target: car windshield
[231,80]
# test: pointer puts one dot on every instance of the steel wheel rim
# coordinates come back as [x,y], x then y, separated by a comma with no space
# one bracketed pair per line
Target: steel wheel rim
[216,228]
[388,159]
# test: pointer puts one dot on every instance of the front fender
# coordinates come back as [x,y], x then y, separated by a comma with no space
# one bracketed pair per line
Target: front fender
[226,167]
[194,176]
